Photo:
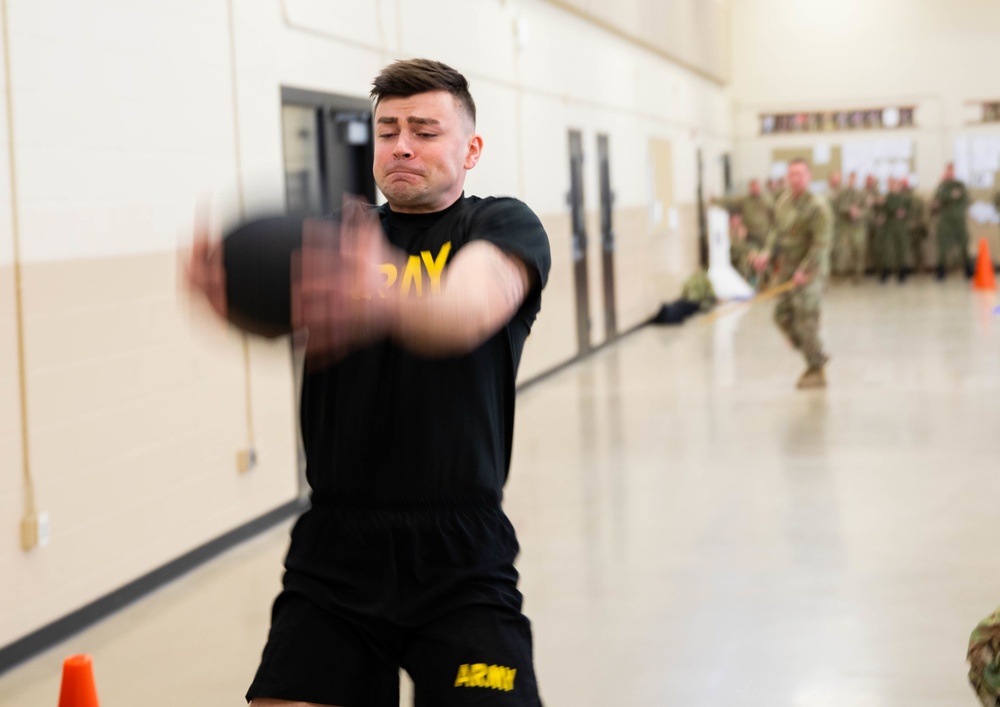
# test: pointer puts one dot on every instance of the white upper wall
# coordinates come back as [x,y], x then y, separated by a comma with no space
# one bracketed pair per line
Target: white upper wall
[803,53]
[692,33]
[124,113]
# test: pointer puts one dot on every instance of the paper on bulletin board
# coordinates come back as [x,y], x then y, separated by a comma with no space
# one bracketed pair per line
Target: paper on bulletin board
[822,153]
[879,158]
[984,180]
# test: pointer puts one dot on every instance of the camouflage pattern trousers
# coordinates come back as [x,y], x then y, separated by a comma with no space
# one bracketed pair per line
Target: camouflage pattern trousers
[952,233]
[893,247]
[850,252]
[797,315]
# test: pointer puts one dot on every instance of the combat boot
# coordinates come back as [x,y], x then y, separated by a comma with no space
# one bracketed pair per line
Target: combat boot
[814,376]
[940,273]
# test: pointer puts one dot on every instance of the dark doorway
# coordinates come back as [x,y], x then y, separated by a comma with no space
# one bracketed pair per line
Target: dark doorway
[579,241]
[607,238]
[328,150]
[702,221]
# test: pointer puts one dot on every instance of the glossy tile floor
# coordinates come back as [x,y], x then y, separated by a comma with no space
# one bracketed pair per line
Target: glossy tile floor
[694,530]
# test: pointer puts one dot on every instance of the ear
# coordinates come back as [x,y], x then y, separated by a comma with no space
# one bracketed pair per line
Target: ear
[474,151]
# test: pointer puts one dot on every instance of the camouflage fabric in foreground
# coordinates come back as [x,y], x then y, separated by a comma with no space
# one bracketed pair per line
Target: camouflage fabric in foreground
[984,660]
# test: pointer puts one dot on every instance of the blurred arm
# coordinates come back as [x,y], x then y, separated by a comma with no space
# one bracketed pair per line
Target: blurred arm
[481,291]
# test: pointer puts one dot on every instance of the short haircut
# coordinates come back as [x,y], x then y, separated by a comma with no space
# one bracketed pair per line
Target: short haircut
[409,77]
[799,160]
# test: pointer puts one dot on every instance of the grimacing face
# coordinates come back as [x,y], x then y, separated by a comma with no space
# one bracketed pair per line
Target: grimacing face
[799,177]
[424,145]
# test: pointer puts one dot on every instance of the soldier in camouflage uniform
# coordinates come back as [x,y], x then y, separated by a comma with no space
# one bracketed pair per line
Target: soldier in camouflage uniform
[799,245]
[895,233]
[698,288]
[755,208]
[984,660]
[742,250]
[917,226]
[775,188]
[874,203]
[950,202]
[850,211]
[833,189]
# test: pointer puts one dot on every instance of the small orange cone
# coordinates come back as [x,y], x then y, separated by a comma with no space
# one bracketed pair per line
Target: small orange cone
[984,278]
[78,689]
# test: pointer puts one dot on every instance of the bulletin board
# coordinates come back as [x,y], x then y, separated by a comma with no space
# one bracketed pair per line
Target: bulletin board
[977,163]
[886,158]
[821,162]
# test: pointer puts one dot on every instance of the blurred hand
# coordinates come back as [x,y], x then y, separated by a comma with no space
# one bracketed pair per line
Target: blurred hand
[338,284]
[800,278]
[760,261]
[204,272]
[855,213]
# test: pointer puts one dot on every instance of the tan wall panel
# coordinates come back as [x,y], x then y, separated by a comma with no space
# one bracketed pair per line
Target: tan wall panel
[553,336]
[650,268]
[11,485]
[636,295]
[136,415]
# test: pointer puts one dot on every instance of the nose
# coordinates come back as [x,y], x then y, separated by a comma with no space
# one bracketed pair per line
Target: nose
[402,150]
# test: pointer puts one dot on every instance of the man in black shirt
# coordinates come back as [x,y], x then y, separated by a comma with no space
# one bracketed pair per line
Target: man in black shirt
[416,314]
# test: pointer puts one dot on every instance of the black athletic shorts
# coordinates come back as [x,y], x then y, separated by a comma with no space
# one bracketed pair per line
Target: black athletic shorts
[430,588]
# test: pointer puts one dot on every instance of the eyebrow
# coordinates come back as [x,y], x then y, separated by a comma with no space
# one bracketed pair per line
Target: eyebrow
[412,120]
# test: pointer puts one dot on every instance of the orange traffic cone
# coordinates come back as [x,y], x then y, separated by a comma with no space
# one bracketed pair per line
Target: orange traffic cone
[984,278]
[78,689]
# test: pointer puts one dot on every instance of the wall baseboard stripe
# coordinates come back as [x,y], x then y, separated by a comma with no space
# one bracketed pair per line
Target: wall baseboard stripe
[61,629]
[71,624]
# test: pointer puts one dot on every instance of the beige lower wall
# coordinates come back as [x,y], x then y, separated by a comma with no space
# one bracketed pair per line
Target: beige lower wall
[136,405]
[553,336]
[650,268]
[136,414]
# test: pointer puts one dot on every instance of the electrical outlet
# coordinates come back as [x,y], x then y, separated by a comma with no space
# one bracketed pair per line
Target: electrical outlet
[44,529]
[246,459]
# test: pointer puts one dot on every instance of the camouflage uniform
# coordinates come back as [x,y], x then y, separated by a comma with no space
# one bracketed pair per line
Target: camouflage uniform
[918,229]
[742,252]
[698,288]
[984,660]
[850,236]
[800,241]
[756,212]
[836,246]
[894,235]
[874,209]
[952,199]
